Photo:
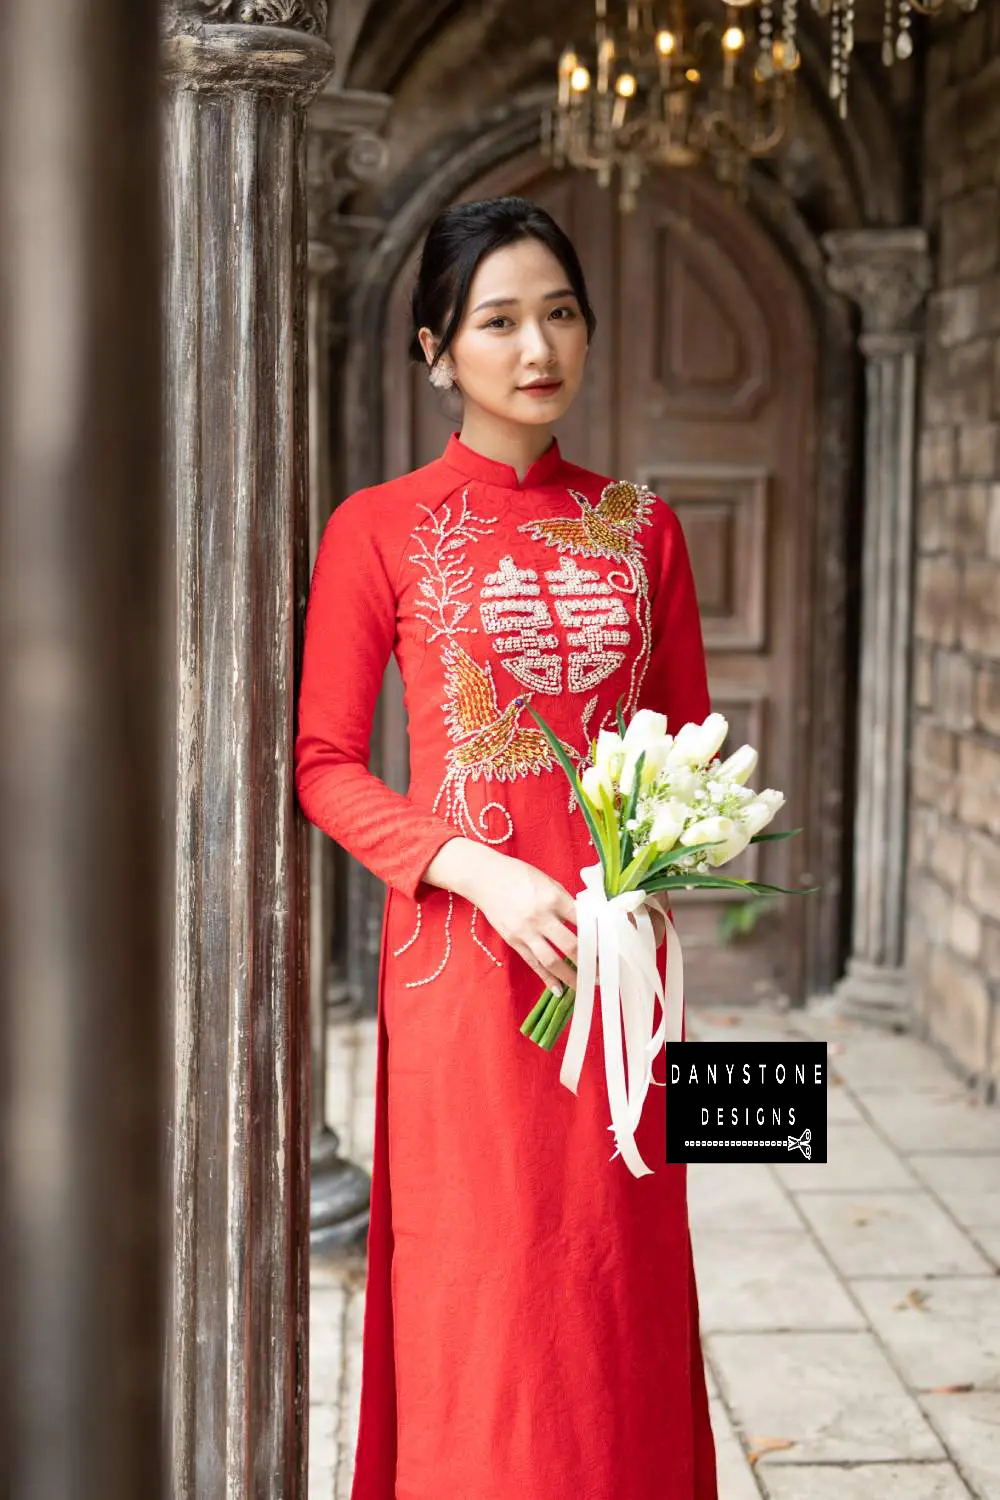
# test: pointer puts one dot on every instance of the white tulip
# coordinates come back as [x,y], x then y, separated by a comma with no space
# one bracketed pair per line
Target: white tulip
[758,813]
[709,831]
[668,820]
[696,744]
[593,780]
[739,767]
[609,755]
[644,726]
[728,850]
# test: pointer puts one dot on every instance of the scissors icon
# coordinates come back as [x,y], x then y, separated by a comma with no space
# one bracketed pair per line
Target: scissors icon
[802,1143]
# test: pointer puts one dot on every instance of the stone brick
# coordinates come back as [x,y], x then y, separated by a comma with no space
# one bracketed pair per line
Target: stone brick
[959,383]
[983,876]
[979,785]
[954,690]
[932,905]
[923,674]
[953,315]
[933,520]
[933,767]
[937,455]
[965,932]
[993,523]
[970,236]
[990,958]
[957,1006]
[977,119]
[967,507]
[988,697]
[979,619]
[947,854]
[979,450]
[937,599]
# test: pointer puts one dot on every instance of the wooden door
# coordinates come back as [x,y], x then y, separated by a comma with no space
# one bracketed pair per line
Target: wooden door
[701,383]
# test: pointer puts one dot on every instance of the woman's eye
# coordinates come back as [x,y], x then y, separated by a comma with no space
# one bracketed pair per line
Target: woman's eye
[569,311]
[495,322]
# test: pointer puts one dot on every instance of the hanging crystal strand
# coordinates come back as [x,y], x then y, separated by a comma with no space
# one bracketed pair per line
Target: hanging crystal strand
[846,49]
[836,82]
[789,45]
[904,41]
[888,25]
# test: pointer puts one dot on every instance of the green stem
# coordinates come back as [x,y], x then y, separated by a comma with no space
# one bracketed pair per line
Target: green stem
[536,1013]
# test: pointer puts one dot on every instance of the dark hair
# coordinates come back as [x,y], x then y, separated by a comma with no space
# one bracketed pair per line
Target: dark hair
[458,240]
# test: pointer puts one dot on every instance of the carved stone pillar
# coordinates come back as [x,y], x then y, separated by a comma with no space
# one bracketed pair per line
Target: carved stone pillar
[83,904]
[887,273]
[344,150]
[237,477]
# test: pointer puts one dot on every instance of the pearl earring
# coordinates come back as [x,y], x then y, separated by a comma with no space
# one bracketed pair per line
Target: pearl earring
[441,377]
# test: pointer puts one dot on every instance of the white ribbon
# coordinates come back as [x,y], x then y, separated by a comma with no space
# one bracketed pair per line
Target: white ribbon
[630,985]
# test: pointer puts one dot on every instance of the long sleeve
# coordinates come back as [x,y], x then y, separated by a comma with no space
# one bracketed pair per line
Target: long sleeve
[676,680]
[350,629]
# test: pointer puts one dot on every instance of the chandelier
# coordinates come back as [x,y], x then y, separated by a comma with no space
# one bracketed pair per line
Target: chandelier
[655,90]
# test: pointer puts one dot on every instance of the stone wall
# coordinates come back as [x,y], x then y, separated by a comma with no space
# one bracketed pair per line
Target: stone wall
[953,934]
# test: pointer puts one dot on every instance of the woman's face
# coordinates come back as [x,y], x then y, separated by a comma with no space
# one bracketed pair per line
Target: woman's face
[522,327]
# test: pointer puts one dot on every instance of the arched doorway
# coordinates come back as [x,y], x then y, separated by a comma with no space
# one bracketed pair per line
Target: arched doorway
[703,383]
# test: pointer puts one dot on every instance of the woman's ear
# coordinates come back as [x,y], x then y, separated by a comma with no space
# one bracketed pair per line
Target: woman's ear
[428,343]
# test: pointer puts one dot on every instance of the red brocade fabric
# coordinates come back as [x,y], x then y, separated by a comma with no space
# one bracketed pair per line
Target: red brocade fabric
[531,1315]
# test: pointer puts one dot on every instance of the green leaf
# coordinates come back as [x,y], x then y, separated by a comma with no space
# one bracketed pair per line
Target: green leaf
[770,838]
[680,881]
[575,783]
[620,716]
[614,869]
[629,812]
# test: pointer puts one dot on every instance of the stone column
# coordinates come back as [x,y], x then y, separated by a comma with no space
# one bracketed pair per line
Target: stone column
[237,472]
[84,755]
[887,273]
[344,151]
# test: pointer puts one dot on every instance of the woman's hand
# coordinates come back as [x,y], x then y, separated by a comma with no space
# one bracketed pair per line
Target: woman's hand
[529,909]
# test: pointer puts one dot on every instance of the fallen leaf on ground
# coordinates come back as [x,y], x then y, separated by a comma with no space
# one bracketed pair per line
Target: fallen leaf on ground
[914,1298]
[707,1020]
[767,1445]
[948,1390]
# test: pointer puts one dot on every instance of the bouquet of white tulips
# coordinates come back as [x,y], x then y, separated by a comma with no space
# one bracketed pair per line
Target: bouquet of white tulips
[664,813]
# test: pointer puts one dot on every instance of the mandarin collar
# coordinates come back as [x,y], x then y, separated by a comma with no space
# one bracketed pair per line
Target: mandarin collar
[472,465]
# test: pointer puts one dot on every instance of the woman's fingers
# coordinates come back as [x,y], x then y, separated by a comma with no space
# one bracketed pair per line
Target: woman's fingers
[560,970]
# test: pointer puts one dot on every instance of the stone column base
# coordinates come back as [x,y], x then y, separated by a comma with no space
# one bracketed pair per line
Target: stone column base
[877,994]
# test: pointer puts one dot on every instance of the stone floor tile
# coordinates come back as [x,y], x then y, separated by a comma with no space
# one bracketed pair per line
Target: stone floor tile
[890,1234]
[938,1332]
[326,1343]
[988,1239]
[968,1186]
[869,1060]
[722,1195]
[769,1279]
[833,1395]
[841,1106]
[942,1120]
[858,1159]
[734,1474]
[917,1481]
[322,1482]
[970,1426]
[323,1423]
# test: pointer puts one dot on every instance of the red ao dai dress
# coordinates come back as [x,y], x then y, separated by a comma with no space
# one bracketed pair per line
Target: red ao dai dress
[531,1315]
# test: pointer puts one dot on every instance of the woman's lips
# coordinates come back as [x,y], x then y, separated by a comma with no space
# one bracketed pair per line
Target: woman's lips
[541,390]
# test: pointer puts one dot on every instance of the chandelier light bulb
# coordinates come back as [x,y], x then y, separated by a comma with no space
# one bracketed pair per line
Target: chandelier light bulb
[568,63]
[666,43]
[692,75]
[786,55]
[579,80]
[734,39]
[625,86]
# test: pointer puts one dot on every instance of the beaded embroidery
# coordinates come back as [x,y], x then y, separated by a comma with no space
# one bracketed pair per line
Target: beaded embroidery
[490,743]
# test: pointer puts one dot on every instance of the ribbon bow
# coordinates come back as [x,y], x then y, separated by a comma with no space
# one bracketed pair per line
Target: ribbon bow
[630,986]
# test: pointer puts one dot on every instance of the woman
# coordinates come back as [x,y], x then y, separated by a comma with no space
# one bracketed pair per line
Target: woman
[531,1318]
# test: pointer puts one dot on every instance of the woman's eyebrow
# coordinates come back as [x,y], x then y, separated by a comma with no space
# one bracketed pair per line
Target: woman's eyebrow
[564,291]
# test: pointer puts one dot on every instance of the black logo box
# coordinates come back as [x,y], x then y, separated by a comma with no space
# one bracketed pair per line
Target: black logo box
[731,1101]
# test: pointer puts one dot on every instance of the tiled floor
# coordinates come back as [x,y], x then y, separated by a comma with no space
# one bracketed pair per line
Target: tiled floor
[851,1329]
